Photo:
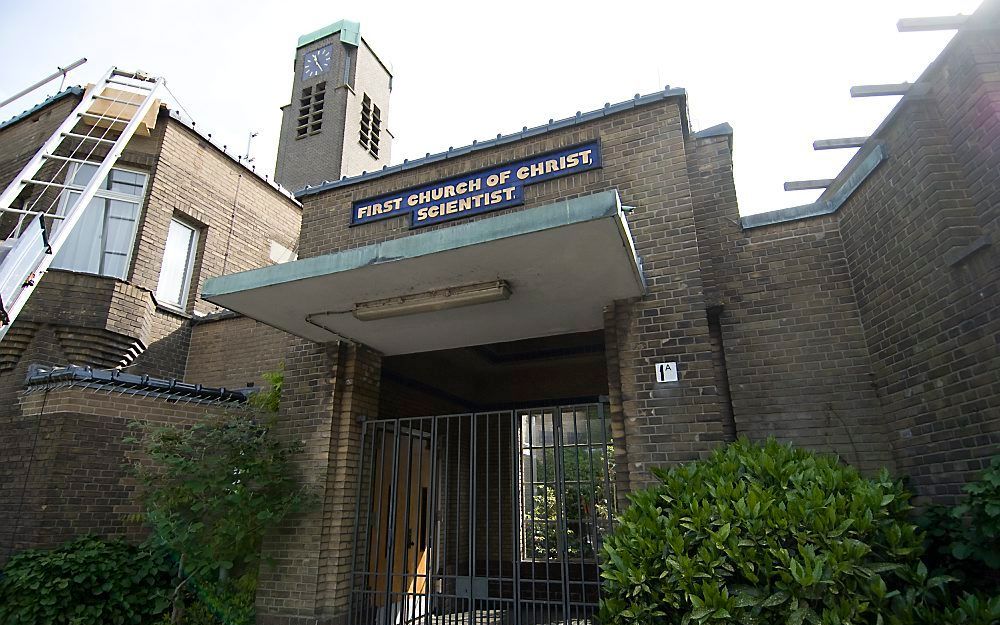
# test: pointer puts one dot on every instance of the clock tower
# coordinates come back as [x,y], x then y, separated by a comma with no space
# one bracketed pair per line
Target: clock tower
[337,121]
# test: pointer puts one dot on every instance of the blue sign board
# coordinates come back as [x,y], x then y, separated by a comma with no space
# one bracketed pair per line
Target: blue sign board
[478,192]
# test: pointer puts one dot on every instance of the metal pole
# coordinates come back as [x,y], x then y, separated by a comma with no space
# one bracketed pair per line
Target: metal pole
[515,472]
[580,536]
[379,461]
[458,508]
[357,518]
[446,577]
[486,508]
[547,560]
[391,533]
[472,520]
[407,530]
[594,538]
[561,508]
[62,72]
[432,546]
[611,496]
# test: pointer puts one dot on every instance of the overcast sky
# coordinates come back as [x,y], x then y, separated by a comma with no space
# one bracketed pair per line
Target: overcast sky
[778,71]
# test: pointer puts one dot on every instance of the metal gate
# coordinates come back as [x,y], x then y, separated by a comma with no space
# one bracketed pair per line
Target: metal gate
[482,518]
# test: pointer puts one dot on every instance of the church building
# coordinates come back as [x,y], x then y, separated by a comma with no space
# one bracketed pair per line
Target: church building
[487,349]
[493,345]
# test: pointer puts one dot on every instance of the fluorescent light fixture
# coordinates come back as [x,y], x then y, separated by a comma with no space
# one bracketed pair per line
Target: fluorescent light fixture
[429,301]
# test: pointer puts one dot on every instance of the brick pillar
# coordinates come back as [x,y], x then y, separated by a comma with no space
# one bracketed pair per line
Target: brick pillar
[328,390]
[967,88]
[615,395]
[674,422]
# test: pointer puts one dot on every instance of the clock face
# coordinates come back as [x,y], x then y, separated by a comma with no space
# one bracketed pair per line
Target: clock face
[317,62]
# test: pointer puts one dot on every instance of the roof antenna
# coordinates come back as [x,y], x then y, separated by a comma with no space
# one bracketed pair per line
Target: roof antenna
[62,71]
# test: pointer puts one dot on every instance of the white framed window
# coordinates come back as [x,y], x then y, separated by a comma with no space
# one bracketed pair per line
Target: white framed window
[102,241]
[178,265]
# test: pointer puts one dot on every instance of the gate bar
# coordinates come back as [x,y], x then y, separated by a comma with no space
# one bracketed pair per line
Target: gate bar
[472,522]
[357,513]
[516,480]
[391,521]
[431,522]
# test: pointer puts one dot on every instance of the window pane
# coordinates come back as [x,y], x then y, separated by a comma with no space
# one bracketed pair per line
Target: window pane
[176,264]
[119,180]
[128,182]
[119,231]
[102,241]
[82,249]
[83,174]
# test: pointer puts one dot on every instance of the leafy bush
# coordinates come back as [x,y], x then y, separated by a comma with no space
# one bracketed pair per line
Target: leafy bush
[211,492]
[230,602]
[964,540]
[85,581]
[269,399]
[928,600]
[763,535]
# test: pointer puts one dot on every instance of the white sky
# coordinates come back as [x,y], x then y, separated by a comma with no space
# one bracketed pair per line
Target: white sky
[778,70]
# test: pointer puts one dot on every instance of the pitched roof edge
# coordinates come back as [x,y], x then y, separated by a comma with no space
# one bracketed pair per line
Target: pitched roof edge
[74,90]
[475,146]
[175,115]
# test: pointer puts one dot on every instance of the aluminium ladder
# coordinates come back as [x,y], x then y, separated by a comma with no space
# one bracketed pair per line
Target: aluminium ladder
[103,123]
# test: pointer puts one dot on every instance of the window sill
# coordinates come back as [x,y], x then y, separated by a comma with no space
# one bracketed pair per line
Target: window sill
[167,308]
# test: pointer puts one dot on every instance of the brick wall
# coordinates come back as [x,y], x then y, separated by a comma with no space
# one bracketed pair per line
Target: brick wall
[233,351]
[370,78]
[20,141]
[400,397]
[238,215]
[788,323]
[797,359]
[73,318]
[326,391]
[90,320]
[921,238]
[63,473]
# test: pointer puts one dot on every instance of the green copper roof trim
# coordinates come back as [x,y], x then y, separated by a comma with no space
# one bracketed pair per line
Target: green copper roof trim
[350,33]
[78,91]
[563,213]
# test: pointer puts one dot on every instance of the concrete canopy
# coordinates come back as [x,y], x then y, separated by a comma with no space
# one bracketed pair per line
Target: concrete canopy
[563,262]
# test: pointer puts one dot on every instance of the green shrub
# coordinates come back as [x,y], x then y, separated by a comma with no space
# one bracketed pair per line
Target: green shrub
[964,540]
[269,399]
[762,535]
[85,581]
[230,602]
[212,490]
[210,493]
[929,600]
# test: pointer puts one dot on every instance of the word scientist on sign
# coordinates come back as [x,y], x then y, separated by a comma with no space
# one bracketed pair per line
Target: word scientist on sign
[476,193]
